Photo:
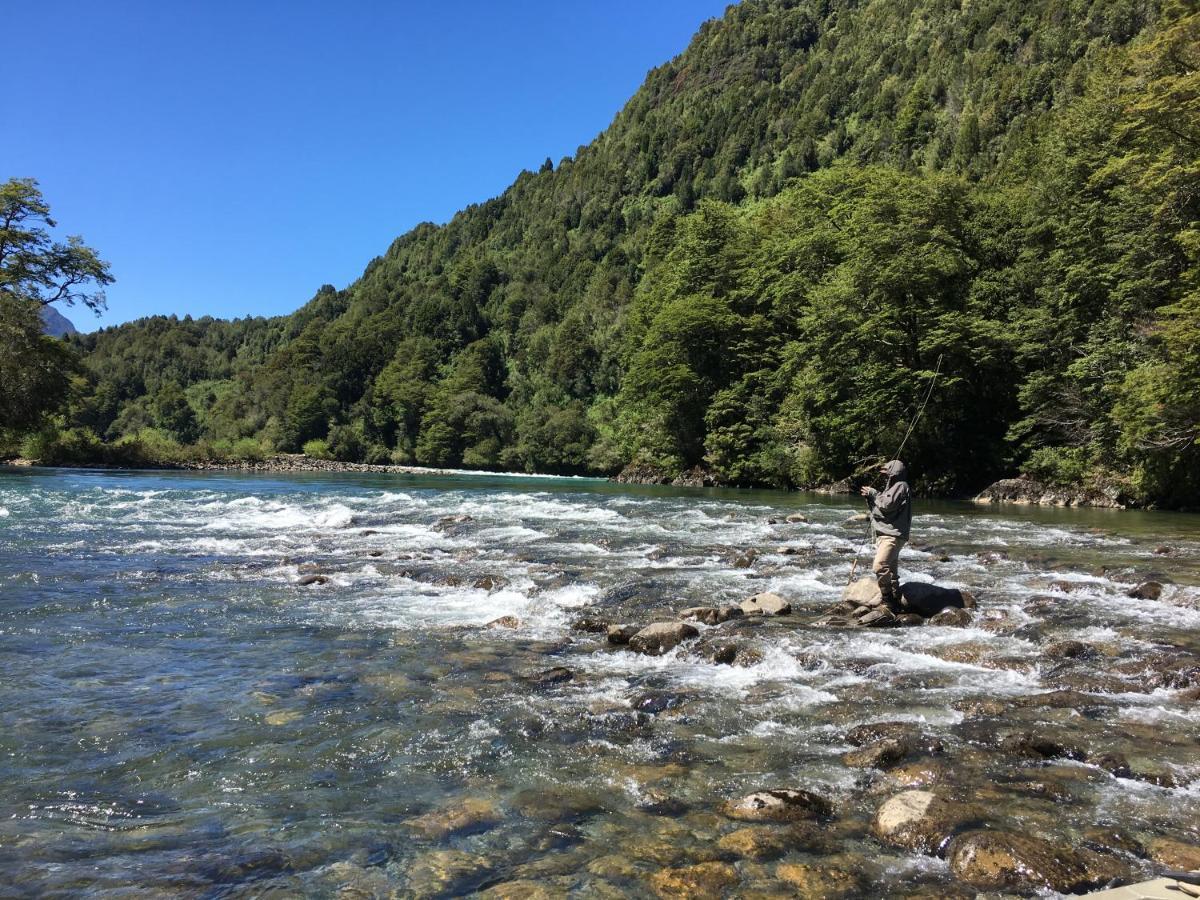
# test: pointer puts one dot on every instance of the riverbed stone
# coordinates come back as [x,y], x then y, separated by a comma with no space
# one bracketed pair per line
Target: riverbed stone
[708,879]
[881,754]
[994,860]
[521,889]
[952,617]
[745,560]
[440,873]
[797,519]
[468,816]
[766,604]
[308,580]
[880,617]
[590,626]
[620,634]
[1069,649]
[919,820]
[778,805]
[504,622]
[551,677]
[754,843]
[1175,854]
[661,637]
[819,880]
[1147,590]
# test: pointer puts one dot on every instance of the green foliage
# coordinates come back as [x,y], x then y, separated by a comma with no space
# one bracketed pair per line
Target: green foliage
[33,267]
[318,448]
[36,371]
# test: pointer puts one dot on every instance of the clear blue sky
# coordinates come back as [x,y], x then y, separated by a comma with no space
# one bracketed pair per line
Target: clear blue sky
[229,158]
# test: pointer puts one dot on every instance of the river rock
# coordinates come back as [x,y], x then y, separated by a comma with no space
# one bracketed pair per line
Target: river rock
[709,879]
[468,816]
[312,579]
[446,872]
[951,617]
[819,881]
[754,843]
[920,821]
[1069,650]
[999,860]
[489,583]
[780,805]
[551,677]
[766,604]
[1147,590]
[620,634]
[660,637]
[880,617]
[745,560]
[880,754]
[864,592]
[870,732]
[797,519]
[1034,745]
[1175,854]
[711,615]
[589,626]
[908,620]
[521,889]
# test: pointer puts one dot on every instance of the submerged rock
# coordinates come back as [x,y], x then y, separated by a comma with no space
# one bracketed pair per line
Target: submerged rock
[589,626]
[551,677]
[766,604]
[446,872]
[504,622]
[755,843]
[879,754]
[661,637]
[709,879]
[468,816]
[819,881]
[920,821]
[1175,854]
[780,805]
[999,860]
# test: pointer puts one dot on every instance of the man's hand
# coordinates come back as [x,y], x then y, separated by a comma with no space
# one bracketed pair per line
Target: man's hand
[866,491]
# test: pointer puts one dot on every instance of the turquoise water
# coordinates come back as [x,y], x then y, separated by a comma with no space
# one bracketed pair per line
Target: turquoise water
[179,714]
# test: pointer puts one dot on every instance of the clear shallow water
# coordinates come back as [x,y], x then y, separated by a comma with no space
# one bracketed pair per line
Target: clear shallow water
[178,714]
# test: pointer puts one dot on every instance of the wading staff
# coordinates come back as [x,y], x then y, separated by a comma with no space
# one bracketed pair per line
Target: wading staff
[911,425]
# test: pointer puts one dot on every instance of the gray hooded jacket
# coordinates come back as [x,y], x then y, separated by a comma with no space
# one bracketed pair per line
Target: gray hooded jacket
[891,508]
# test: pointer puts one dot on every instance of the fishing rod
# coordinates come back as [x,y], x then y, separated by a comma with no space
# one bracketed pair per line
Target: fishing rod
[937,369]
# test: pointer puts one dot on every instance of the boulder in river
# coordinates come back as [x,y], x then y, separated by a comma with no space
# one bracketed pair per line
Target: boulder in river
[1147,590]
[590,626]
[920,821]
[951,617]
[551,677]
[880,754]
[996,860]
[745,560]
[711,615]
[313,579]
[766,604]
[504,622]
[797,518]
[620,634]
[826,882]
[660,637]
[779,805]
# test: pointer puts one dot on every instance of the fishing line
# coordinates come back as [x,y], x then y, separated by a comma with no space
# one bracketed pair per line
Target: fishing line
[937,369]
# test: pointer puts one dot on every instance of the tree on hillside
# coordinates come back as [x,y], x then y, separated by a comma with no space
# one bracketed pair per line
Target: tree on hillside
[35,268]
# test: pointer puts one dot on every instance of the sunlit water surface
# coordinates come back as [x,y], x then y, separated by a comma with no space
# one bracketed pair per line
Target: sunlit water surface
[179,715]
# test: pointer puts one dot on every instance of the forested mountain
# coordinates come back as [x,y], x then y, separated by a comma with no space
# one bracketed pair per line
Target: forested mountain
[757,266]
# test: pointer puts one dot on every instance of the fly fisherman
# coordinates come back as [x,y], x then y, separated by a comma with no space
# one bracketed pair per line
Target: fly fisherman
[891,519]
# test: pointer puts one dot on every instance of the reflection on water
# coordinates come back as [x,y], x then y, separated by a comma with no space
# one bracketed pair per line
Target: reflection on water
[179,713]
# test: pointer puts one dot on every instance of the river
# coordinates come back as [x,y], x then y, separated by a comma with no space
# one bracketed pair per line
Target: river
[180,714]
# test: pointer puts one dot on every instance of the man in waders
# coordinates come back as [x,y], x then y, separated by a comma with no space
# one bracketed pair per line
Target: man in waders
[891,519]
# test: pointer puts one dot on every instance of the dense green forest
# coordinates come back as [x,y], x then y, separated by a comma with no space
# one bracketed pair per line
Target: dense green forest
[755,270]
